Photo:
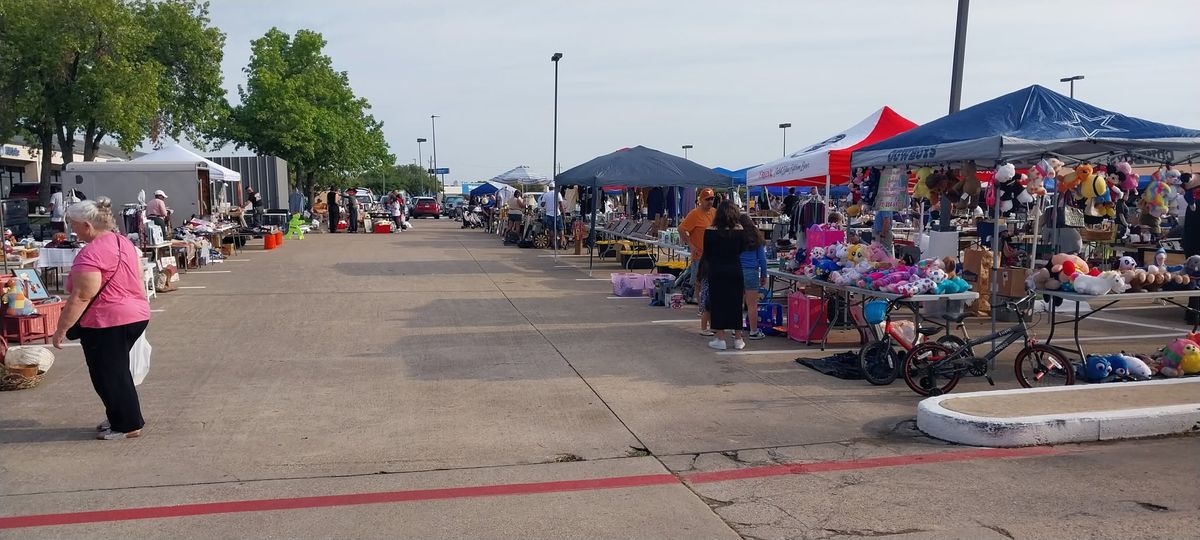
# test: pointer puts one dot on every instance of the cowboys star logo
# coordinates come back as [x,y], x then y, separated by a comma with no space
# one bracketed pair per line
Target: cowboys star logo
[1090,125]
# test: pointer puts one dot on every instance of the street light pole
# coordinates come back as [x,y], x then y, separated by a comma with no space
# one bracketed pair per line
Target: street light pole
[420,156]
[1072,80]
[554,158]
[433,123]
[784,128]
[686,147]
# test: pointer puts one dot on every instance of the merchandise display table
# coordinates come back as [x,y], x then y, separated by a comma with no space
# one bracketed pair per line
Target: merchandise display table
[1105,301]
[51,261]
[844,297]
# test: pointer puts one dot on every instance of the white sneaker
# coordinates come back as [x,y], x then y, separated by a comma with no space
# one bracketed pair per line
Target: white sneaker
[718,344]
[739,344]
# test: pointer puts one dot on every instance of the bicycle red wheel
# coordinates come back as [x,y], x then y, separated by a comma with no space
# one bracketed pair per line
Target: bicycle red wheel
[1038,366]
[927,372]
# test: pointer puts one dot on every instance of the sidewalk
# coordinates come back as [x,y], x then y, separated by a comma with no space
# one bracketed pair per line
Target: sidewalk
[1080,413]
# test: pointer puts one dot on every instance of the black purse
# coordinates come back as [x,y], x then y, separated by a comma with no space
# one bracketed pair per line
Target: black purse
[73,332]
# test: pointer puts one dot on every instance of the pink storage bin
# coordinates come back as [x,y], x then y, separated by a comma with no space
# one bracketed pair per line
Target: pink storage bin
[807,321]
[628,284]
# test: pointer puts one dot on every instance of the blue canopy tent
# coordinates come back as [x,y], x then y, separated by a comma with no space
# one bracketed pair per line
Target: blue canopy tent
[489,187]
[637,167]
[1026,125]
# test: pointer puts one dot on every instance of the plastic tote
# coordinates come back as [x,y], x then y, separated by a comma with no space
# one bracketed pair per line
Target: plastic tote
[628,284]
[807,321]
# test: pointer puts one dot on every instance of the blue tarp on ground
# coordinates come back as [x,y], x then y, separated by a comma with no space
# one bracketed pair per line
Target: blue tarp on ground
[1026,125]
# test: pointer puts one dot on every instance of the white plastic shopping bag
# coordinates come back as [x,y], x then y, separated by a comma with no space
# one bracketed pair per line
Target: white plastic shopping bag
[139,359]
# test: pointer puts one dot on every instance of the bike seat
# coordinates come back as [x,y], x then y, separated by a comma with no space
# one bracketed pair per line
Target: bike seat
[928,330]
[960,317]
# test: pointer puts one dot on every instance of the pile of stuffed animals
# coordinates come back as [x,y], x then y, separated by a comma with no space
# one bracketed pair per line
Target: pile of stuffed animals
[1071,273]
[1179,358]
[870,267]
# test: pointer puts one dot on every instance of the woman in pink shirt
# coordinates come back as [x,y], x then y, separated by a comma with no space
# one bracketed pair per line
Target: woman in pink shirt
[108,301]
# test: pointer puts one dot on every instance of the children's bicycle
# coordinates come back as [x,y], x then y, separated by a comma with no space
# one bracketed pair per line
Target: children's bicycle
[880,359]
[933,369]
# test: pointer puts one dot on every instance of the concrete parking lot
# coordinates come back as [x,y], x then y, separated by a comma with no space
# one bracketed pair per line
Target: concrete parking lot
[436,384]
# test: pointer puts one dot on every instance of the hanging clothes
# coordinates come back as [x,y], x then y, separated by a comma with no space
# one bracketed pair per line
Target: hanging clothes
[656,202]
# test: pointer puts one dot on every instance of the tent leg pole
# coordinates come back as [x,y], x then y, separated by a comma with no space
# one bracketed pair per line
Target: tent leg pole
[592,232]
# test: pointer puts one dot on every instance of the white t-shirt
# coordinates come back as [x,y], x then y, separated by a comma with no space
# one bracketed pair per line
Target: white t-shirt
[56,214]
[516,206]
[552,202]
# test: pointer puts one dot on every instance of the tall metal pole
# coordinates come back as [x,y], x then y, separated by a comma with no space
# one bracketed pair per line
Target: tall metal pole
[784,127]
[554,160]
[420,156]
[956,76]
[960,51]
[433,124]
[1072,80]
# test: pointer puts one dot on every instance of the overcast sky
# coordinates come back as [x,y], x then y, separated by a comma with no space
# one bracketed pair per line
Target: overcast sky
[717,74]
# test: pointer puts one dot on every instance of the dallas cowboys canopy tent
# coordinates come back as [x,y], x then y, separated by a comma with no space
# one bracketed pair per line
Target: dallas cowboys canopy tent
[828,162]
[521,175]
[1028,124]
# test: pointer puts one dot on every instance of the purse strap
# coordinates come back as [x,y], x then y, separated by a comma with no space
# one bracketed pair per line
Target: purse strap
[120,257]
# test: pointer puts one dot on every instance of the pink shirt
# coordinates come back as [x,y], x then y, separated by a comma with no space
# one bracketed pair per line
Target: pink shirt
[156,208]
[123,300]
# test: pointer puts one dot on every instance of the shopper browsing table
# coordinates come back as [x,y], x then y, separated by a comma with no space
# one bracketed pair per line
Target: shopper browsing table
[157,210]
[109,303]
[721,270]
[516,212]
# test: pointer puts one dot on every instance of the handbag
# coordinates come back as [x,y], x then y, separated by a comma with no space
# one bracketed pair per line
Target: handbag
[72,333]
[1073,217]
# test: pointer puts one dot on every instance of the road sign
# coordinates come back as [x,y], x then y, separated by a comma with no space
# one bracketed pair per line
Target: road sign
[442,170]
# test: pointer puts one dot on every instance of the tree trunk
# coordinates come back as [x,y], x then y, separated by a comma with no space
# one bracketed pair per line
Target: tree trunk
[66,141]
[46,141]
[91,141]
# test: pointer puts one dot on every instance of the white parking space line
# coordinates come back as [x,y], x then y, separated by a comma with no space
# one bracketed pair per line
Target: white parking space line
[157,310]
[194,287]
[1144,325]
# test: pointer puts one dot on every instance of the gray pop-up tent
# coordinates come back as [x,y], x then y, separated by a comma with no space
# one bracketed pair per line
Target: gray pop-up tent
[637,167]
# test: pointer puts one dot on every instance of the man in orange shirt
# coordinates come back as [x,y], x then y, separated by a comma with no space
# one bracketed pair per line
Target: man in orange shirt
[691,231]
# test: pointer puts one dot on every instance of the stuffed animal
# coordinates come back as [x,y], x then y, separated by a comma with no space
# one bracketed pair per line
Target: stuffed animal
[1155,197]
[921,190]
[1072,180]
[1036,185]
[1064,267]
[1041,279]
[1129,367]
[1180,357]
[878,256]
[971,184]
[1126,263]
[1192,268]
[1106,282]
[1005,193]
[1094,369]
[815,254]
[1129,181]
[856,253]
[16,304]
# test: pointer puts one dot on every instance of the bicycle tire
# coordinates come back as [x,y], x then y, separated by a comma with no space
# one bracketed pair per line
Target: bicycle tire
[1039,366]
[879,362]
[920,370]
[955,343]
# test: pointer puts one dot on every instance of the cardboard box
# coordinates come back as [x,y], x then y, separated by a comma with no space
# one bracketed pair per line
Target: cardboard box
[1012,282]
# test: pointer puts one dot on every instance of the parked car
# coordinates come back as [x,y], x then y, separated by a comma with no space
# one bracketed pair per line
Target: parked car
[452,206]
[31,191]
[427,206]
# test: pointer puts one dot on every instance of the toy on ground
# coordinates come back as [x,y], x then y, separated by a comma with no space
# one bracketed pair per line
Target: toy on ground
[1180,357]
[1094,369]
[296,227]
[1129,367]
[15,302]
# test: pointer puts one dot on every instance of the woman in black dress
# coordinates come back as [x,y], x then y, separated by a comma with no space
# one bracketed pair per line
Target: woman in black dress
[721,268]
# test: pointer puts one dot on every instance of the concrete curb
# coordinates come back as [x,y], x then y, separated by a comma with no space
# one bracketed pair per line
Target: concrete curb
[953,426]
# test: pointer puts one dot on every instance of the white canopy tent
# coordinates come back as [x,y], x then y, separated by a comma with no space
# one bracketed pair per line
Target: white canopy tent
[176,153]
[522,175]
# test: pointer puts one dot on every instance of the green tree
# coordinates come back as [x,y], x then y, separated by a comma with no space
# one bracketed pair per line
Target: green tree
[108,68]
[296,106]
[410,178]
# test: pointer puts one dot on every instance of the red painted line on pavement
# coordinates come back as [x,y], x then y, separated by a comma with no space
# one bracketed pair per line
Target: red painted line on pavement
[869,463]
[263,505]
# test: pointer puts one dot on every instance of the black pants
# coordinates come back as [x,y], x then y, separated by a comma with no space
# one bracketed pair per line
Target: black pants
[106,351]
[334,218]
[353,221]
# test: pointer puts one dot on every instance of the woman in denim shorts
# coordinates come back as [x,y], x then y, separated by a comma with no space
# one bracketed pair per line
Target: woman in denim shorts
[754,271]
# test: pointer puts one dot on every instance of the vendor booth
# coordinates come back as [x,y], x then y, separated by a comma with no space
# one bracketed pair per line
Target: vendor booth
[1080,154]
[522,176]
